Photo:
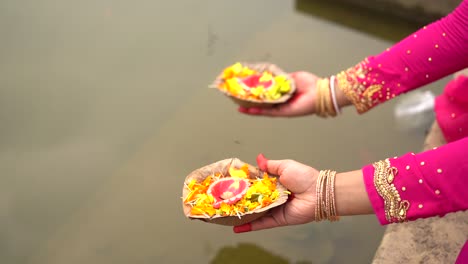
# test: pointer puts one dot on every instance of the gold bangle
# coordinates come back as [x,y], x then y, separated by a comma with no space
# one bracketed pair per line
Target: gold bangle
[325,208]
[395,208]
[324,102]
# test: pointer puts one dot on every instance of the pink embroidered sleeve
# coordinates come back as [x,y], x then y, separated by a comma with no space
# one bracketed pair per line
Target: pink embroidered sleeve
[429,54]
[432,183]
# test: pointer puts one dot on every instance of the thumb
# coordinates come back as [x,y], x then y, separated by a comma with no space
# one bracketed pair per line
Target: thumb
[275,167]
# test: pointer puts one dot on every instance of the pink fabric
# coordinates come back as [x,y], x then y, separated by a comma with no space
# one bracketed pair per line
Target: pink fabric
[435,181]
[429,54]
[463,255]
[451,109]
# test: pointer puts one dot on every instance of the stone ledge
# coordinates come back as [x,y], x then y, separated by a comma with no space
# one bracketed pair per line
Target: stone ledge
[422,11]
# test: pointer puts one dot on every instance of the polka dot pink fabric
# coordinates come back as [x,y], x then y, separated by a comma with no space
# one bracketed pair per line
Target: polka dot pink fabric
[451,109]
[431,53]
[433,182]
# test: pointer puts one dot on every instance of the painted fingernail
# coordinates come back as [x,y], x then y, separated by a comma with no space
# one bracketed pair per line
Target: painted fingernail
[243,228]
[242,109]
[262,162]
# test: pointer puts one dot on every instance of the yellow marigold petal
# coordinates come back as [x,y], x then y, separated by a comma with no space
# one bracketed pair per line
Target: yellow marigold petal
[246,72]
[191,184]
[266,76]
[234,87]
[235,173]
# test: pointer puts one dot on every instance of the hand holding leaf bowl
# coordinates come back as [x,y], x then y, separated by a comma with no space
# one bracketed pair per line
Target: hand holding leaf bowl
[255,84]
[230,192]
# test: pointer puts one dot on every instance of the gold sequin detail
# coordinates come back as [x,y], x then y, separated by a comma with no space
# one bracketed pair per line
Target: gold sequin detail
[437,192]
[395,208]
[420,181]
[407,167]
[443,34]
[420,206]
[403,188]
[439,171]
[422,163]
[429,59]
[436,46]
[361,96]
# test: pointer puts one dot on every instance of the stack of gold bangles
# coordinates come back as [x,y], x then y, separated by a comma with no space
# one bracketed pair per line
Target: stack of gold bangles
[326,104]
[325,190]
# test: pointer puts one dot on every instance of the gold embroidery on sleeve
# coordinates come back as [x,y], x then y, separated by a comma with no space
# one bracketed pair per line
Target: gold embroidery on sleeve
[395,208]
[349,82]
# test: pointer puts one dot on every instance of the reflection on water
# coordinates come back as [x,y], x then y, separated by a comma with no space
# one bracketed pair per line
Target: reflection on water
[104,111]
[245,253]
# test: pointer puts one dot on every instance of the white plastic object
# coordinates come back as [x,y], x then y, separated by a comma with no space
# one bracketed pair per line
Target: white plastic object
[415,111]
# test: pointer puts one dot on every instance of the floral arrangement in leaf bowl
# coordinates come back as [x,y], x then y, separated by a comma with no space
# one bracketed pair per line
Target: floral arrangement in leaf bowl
[230,192]
[255,84]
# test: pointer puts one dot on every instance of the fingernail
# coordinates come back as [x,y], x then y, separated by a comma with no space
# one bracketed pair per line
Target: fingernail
[243,228]
[262,162]
[242,109]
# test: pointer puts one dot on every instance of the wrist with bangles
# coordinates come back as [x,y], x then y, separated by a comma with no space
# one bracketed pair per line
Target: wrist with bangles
[325,208]
[326,101]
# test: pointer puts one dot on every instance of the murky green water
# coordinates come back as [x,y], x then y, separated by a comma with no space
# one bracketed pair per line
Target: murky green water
[104,110]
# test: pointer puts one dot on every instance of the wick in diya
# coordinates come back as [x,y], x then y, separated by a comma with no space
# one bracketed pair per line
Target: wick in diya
[231,196]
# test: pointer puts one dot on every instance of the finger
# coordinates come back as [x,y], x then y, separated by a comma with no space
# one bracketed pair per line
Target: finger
[265,222]
[293,74]
[243,228]
[279,111]
[250,111]
[262,162]
[276,167]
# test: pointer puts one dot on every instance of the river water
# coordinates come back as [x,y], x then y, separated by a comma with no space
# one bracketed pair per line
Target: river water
[104,110]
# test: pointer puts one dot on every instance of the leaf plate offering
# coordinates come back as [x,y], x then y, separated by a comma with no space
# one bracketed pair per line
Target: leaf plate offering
[230,192]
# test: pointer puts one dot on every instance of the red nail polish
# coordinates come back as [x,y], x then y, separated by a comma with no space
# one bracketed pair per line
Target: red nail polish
[242,109]
[243,228]
[262,162]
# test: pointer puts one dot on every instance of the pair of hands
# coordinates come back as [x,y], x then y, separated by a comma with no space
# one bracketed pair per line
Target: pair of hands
[300,179]
[296,177]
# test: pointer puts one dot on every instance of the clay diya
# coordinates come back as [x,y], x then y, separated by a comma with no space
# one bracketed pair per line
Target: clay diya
[230,192]
[255,84]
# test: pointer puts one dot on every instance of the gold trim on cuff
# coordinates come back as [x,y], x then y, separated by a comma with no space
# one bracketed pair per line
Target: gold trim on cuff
[362,97]
[395,208]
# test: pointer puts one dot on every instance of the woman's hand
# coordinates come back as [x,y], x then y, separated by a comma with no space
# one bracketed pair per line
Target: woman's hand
[297,178]
[302,103]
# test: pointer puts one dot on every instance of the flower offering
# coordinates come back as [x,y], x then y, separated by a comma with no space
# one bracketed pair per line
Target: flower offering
[228,191]
[255,84]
